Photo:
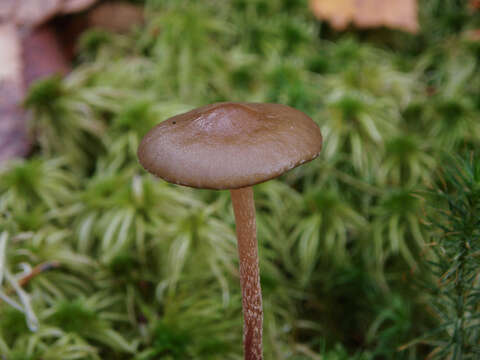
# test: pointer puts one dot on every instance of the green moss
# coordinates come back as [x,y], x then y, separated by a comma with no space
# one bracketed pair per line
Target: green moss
[403,147]
[44,93]
[151,270]
[74,316]
[123,265]
[319,64]
[451,111]
[32,220]
[24,177]
[92,41]
[136,117]
[243,77]
[13,324]
[401,202]
[170,341]
[349,107]
[19,355]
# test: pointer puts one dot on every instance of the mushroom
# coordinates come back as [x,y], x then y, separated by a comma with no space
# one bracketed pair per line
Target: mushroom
[233,146]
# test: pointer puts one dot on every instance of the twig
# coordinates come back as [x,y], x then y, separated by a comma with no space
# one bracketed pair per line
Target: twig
[48,265]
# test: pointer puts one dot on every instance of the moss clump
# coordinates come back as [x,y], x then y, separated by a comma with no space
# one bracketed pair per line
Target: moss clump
[148,270]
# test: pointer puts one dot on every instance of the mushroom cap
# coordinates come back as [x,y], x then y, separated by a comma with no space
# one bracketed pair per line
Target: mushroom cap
[230,145]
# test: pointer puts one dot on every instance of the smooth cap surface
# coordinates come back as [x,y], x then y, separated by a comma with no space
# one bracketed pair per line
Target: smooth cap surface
[230,145]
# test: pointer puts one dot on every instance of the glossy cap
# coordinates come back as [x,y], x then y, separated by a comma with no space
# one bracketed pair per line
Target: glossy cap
[230,145]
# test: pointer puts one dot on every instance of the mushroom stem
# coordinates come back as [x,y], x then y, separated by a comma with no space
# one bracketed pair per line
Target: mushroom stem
[244,209]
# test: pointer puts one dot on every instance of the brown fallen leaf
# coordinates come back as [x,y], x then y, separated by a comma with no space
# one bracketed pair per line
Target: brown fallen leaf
[14,140]
[10,61]
[397,14]
[472,35]
[72,6]
[7,9]
[42,55]
[41,51]
[117,17]
[339,12]
[31,13]
[474,5]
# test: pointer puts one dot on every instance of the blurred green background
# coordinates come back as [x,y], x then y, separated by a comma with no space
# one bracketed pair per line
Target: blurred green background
[146,270]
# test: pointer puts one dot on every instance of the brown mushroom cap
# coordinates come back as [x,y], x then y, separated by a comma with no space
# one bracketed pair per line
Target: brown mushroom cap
[230,145]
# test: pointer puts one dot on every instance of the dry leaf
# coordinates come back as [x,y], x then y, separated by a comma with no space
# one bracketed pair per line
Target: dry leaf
[10,56]
[398,14]
[42,55]
[338,12]
[35,12]
[13,131]
[474,5]
[7,9]
[72,6]
[472,35]
[117,17]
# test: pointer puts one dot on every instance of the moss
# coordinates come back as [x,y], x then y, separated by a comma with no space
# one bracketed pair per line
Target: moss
[169,341]
[150,270]
[74,316]
[44,93]
[12,325]
[92,41]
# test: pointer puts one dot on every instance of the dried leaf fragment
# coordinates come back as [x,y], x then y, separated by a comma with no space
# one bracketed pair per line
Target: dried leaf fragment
[117,17]
[42,55]
[35,12]
[72,6]
[13,131]
[7,9]
[398,14]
